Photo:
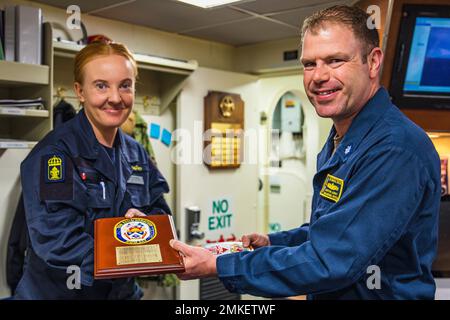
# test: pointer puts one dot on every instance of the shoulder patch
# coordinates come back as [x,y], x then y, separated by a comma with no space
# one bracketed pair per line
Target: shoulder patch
[56,178]
[55,168]
[332,188]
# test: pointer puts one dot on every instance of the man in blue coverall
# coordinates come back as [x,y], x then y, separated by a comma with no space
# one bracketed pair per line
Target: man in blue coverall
[376,191]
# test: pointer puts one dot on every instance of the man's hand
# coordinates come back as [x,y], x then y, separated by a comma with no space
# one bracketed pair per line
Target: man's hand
[132,213]
[256,240]
[198,262]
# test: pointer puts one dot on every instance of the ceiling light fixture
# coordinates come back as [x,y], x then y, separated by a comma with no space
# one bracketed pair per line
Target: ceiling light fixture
[207,4]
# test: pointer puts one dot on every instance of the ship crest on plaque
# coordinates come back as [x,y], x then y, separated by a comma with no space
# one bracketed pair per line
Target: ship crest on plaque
[135,231]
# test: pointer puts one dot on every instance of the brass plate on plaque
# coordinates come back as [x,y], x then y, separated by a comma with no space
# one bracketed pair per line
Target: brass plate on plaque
[139,254]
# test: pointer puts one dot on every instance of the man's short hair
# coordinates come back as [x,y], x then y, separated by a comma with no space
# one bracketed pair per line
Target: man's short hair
[353,17]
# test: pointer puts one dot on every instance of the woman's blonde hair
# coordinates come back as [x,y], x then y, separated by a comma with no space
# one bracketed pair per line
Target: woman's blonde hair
[100,48]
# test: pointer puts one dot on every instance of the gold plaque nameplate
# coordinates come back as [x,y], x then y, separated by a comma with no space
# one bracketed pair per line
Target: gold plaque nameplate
[140,254]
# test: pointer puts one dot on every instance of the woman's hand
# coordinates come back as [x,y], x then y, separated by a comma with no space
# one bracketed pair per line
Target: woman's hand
[132,213]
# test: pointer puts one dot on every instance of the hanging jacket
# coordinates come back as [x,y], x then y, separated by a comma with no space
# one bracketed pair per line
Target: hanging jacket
[62,112]
[140,135]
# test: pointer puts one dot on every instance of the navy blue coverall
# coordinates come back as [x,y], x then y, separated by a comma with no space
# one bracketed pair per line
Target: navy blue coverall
[375,206]
[69,180]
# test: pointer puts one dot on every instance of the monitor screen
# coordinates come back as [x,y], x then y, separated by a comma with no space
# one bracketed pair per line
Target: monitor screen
[428,68]
[420,76]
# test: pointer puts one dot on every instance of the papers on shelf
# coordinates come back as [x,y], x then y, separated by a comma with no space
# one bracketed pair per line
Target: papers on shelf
[14,105]
[20,102]
[16,144]
[24,106]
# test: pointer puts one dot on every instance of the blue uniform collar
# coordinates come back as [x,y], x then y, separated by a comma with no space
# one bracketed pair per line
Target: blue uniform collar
[90,147]
[369,115]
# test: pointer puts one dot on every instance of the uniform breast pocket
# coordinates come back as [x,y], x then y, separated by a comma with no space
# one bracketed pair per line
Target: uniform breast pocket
[99,195]
[137,187]
[140,196]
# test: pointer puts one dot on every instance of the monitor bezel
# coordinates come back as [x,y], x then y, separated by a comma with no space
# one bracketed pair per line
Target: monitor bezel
[416,99]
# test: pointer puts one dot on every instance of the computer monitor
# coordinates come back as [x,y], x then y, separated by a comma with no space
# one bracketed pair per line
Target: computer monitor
[421,73]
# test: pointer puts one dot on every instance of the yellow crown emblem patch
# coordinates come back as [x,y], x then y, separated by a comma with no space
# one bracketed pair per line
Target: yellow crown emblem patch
[55,168]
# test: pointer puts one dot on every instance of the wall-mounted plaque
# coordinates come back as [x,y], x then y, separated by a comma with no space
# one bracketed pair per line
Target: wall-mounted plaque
[224,130]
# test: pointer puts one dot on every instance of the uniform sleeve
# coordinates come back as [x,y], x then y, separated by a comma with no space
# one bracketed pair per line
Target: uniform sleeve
[290,238]
[377,204]
[55,215]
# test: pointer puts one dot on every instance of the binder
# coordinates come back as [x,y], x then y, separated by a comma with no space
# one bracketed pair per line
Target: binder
[10,33]
[2,34]
[28,35]
[2,55]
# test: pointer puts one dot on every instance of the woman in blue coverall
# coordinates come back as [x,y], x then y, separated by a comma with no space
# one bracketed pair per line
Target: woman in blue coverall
[85,170]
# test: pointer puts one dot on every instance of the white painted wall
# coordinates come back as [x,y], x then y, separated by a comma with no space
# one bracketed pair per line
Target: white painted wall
[258,58]
[442,289]
[162,152]
[287,208]
[315,132]
[196,185]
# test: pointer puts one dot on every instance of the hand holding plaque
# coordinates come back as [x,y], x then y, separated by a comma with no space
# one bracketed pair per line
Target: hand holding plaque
[127,247]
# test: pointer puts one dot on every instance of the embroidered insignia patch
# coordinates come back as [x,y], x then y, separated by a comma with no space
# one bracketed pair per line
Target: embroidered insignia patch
[55,168]
[332,188]
[56,177]
[136,168]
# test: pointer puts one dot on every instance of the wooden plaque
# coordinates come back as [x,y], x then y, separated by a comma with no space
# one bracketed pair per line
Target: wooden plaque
[137,246]
[224,130]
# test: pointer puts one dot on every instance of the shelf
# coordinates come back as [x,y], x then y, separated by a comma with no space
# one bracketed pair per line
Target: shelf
[21,126]
[16,144]
[20,112]
[438,134]
[279,71]
[65,49]
[171,73]
[19,74]
[165,65]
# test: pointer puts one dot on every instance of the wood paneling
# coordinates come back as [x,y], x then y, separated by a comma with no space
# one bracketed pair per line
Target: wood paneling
[431,120]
